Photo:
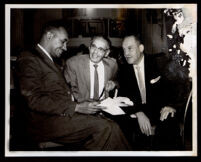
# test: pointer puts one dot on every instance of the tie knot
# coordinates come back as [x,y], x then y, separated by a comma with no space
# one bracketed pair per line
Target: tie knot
[95,66]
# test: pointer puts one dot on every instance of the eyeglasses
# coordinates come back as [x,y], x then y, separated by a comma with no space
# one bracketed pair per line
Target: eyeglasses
[101,50]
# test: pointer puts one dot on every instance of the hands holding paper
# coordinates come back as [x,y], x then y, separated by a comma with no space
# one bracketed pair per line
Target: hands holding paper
[88,107]
[113,105]
[123,101]
[109,105]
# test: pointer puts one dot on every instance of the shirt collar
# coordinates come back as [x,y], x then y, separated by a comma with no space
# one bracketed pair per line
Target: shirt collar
[44,51]
[99,63]
[141,63]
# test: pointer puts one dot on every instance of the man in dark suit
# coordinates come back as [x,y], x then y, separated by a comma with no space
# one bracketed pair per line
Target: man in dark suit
[52,116]
[141,81]
[80,72]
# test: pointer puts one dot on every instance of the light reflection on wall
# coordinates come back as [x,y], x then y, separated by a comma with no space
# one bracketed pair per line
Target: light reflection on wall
[90,12]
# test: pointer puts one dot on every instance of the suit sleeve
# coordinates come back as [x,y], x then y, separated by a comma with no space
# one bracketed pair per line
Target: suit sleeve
[71,78]
[115,73]
[55,101]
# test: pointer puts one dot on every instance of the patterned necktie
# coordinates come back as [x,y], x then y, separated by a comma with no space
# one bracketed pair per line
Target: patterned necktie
[141,85]
[96,83]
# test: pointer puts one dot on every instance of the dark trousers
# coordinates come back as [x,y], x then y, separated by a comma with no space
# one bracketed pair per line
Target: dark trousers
[93,133]
[130,128]
[166,135]
[137,140]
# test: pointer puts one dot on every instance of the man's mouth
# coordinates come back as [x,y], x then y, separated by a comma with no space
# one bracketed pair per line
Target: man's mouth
[59,51]
[95,56]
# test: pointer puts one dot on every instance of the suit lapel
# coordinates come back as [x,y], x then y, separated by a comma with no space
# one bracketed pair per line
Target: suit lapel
[107,71]
[132,83]
[86,71]
[47,60]
[148,73]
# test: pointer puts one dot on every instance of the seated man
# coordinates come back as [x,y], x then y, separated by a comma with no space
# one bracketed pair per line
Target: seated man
[141,81]
[52,116]
[91,75]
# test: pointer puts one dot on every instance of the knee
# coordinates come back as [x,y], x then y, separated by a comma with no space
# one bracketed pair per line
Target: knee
[107,126]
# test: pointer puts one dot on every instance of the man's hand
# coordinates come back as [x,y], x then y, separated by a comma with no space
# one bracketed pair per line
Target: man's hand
[123,101]
[110,85]
[144,123]
[165,111]
[88,107]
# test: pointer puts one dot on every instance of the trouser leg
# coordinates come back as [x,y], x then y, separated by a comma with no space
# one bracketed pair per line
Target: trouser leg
[96,132]
[168,135]
[128,127]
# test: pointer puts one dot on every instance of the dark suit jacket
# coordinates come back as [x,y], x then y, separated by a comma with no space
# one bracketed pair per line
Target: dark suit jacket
[77,74]
[45,90]
[154,91]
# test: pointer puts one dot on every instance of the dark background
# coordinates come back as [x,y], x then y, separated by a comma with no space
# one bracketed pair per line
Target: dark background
[84,23]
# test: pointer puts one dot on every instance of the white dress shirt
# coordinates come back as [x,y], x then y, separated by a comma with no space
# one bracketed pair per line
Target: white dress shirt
[48,55]
[101,78]
[139,68]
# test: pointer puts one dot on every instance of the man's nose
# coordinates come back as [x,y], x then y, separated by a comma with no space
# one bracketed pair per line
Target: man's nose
[64,47]
[96,51]
[126,53]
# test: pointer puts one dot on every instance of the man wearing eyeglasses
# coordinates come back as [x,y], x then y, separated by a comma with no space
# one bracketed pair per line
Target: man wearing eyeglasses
[92,76]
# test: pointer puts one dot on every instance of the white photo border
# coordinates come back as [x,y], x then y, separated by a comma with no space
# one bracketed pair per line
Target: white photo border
[9,153]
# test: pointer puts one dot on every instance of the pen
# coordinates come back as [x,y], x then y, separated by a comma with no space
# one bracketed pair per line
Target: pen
[115,93]
[102,93]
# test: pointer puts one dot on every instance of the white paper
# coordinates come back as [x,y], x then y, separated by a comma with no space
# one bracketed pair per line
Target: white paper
[113,105]
[123,101]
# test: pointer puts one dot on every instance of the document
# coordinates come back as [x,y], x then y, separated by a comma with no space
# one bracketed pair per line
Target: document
[113,105]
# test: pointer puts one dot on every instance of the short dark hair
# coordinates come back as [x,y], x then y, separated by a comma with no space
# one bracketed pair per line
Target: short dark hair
[52,25]
[136,35]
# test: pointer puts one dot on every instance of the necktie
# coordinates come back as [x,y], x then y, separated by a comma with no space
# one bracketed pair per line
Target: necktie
[96,83]
[141,84]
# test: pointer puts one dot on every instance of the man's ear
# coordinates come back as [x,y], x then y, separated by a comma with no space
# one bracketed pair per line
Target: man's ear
[107,53]
[50,35]
[141,47]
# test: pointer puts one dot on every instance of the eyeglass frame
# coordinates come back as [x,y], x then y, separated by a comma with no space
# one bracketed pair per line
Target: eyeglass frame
[100,49]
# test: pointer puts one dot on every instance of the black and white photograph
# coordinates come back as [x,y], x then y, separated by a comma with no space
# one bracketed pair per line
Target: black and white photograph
[101,80]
